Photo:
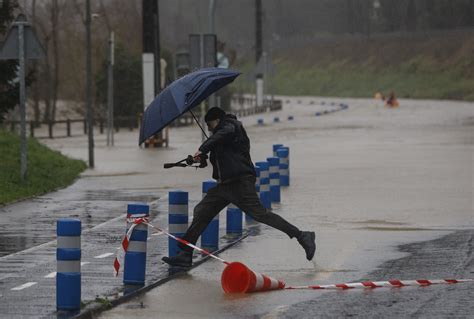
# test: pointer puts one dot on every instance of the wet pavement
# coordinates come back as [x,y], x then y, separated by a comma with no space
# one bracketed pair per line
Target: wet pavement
[367,179]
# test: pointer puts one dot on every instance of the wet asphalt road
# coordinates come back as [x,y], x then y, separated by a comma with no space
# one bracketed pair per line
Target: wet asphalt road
[366,179]
[451,256]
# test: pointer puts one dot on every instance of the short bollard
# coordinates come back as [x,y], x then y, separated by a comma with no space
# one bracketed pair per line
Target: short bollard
[68,272]
[276,119]
[290,118]
[134,268]
[274,168]
[275,147]
[210,236]
[177,218]
[284,171]
[264,188]
[317,113]
[234,220]
[260,121]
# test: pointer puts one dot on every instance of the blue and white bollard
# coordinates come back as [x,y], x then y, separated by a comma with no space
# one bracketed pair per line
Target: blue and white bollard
[177,218]
[234,220]
[134,268]
[260,121]
[284,166]
[210,236]
[68,257]
[275,147]
[264,188]
[274,172]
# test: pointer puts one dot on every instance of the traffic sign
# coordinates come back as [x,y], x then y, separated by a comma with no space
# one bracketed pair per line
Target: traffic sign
[10,48]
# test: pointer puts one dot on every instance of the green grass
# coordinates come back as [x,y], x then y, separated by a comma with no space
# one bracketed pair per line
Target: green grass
[417,78]
[47,170]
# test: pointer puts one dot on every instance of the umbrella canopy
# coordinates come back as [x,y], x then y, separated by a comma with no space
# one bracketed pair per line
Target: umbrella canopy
[181,96]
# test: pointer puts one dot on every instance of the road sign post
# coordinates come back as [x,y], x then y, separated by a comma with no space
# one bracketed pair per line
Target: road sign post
[21,43]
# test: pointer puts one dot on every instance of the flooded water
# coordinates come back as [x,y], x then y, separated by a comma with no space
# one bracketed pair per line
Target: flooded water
[365,179]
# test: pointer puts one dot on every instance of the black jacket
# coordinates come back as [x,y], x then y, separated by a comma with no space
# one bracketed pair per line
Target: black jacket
[230,150]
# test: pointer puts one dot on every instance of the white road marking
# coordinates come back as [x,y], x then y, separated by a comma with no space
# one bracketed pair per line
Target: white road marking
[104,255]
[27,285]
[157,233]
[53,274]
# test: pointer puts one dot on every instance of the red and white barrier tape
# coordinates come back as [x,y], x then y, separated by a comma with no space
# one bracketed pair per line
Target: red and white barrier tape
[136,221]
[390,283]
[187,243]
[118,261]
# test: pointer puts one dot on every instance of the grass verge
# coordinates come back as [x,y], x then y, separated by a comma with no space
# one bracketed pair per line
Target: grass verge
[348,80]
[47,170]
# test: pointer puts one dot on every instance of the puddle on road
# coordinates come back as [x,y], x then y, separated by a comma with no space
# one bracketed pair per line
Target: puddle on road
[381,228]
[112,174]
[377,221]
[118,195]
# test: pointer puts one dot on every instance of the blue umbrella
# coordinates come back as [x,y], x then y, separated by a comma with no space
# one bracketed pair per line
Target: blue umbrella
[181,96]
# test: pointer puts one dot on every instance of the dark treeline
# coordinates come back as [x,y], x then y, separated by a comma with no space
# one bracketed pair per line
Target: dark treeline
[284,19]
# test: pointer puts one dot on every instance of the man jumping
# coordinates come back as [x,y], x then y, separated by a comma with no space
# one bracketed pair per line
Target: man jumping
[233,169]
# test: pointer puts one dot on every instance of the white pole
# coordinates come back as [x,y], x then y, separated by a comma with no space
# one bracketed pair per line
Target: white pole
[110,93]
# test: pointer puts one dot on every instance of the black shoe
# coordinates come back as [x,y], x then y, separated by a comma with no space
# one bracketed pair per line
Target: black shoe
[182,259]
[307,240]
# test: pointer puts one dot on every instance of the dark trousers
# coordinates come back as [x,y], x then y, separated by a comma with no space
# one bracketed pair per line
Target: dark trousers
[240,192]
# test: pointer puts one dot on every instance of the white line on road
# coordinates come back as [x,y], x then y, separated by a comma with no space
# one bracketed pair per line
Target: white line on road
[104,255]
[27,285]
[53,274]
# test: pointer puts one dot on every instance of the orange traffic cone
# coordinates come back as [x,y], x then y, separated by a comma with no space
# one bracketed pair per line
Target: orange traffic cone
[238,278]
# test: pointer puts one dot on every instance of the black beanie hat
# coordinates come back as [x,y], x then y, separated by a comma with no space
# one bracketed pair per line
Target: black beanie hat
[214,113]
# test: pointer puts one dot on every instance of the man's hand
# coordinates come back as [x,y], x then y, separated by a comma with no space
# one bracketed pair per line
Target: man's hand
[197,156]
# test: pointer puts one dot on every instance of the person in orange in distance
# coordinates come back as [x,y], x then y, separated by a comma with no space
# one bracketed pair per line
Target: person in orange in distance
[392,100]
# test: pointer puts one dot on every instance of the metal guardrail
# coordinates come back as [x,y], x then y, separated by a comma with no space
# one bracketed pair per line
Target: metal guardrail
[63,128]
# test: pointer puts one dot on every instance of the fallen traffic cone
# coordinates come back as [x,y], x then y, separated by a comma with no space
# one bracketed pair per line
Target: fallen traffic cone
[238,278]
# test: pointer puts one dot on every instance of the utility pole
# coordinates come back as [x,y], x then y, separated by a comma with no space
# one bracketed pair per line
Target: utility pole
[258,51]
[212,10]
[156,45]
[151,53]
[90,114]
